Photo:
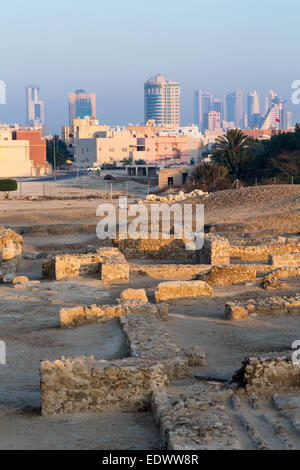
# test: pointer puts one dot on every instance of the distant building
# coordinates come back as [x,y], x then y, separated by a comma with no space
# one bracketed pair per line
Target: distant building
[214,120]
[34,107]
[82,105]
[275,117]
[218,106]
[234,108]
[162,101]
[202,106]
[289,123]
[80,129]
[252,103]
[252,106]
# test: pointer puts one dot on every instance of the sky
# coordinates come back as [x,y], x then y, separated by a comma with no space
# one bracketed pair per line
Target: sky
[111,48]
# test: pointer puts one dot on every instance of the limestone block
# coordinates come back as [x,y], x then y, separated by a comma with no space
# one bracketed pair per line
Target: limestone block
[215,250]
[20,279]
[196,357]
[134,294]
[181,289]
[237,312]
[70,317]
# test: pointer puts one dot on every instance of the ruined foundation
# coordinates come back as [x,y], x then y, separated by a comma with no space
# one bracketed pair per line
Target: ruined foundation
[269,373]
[278,306]
[109,262]
[168,291]
[215,250]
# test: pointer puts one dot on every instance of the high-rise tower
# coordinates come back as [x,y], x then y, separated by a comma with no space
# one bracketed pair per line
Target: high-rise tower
[81,105]
[162,101]
[34,107]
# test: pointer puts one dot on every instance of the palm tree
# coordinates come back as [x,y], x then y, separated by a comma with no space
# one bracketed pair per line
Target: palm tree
[233,150]
[206,175]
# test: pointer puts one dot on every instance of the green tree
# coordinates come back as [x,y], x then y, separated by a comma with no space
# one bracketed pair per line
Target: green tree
[7,185]
[61,151]
[234,150]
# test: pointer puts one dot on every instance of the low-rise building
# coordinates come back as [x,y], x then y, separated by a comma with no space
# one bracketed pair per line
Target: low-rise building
[169,177]
[15,159]
[37,148]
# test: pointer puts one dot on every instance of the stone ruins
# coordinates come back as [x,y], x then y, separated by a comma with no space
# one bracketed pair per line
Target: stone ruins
[151,290]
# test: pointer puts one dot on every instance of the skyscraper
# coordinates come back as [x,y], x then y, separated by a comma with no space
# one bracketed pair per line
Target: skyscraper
[81,105]
[289,123]
[162,101]
[252,103]
[234,108]
[202,106]
[275,117]
[218,106]
[34,107]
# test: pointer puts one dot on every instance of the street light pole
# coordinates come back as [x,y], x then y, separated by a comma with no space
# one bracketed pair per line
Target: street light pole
[54,156]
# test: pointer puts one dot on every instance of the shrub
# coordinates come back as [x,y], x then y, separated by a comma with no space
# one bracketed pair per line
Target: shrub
[7,185]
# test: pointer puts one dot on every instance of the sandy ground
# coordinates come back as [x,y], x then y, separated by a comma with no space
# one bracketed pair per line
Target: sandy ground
[29,318]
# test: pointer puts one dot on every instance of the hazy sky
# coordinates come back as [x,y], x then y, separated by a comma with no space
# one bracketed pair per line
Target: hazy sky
[111,48]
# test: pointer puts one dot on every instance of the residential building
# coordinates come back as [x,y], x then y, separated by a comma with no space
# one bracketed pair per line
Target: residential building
[121,146]
[214,120]
[37,148]
[80,129]
[162,101]
[15,158]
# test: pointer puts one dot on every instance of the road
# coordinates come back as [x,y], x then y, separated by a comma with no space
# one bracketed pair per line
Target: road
[60,175]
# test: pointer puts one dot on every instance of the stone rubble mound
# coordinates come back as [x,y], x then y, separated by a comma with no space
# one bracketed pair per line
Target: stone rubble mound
[180,196]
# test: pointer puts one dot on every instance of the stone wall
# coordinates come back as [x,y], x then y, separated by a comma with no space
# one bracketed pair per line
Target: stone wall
[237,310]
[215,250]
[283,273]
[282,260]
[82,315]
[233,274]
[255,252]
[168,291]
[154,249]
[148,339]
[109,262]
[84,384]
[194,417]
[269,373]
[168,271]
[11,244]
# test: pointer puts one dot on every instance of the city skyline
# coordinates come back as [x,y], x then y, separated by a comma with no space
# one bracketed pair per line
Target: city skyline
[231,109]
[116,73]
